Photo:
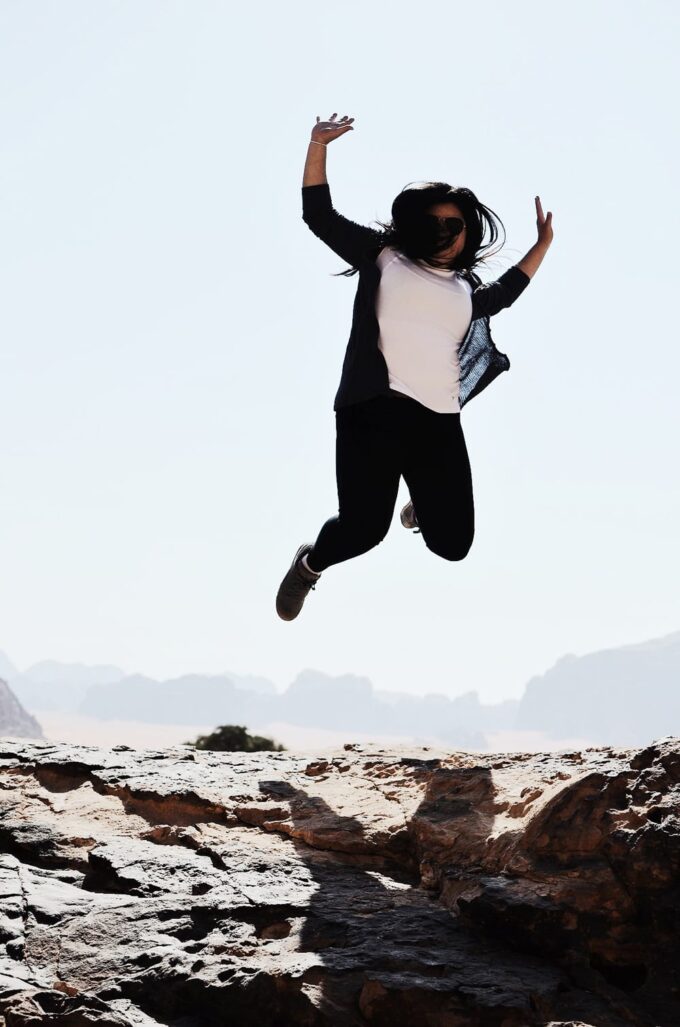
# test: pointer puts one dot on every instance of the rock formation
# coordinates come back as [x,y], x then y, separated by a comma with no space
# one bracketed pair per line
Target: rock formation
[405,888]
[573,699]
[14,720]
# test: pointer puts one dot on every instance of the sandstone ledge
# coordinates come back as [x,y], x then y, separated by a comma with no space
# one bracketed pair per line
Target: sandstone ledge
[370,886]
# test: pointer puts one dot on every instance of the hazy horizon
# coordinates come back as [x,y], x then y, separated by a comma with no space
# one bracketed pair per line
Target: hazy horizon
[568,706]
[281,685]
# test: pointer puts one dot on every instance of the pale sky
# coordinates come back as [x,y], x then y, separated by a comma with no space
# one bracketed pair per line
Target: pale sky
[172,338]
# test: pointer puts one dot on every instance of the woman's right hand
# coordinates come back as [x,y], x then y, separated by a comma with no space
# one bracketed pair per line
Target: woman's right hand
[326,131]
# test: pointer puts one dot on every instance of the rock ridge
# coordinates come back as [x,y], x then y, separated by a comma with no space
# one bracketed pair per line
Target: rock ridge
[366,886]
[14,719]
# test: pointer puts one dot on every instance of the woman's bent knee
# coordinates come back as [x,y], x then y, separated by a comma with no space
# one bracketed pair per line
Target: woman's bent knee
[451,550]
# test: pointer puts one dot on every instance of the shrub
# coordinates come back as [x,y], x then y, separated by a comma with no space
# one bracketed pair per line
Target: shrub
[234,738]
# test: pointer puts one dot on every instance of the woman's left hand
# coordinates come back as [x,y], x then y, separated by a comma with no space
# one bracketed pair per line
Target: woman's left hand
[543,224]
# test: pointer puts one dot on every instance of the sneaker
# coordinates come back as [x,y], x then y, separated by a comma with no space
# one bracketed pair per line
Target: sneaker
[408,517]
[295,586]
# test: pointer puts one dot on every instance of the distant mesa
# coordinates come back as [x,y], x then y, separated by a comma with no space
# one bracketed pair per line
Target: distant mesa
[15,721]
[624,696]
[51,672]
[7,668]
[252,683]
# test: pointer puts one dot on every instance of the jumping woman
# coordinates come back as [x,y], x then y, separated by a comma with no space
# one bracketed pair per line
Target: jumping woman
[419,348]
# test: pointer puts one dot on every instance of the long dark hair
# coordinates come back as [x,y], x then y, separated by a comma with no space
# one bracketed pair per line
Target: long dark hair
[417,236]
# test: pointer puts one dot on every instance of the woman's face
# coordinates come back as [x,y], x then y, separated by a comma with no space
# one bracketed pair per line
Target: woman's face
[448,210]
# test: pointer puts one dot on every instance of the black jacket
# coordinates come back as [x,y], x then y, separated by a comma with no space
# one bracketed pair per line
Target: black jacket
[364,371]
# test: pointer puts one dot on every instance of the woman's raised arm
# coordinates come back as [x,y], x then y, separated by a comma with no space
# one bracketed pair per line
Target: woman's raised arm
[488,299]
[531,261]
[349,240]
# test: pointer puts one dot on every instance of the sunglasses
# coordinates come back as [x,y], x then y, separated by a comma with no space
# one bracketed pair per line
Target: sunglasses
[454,225]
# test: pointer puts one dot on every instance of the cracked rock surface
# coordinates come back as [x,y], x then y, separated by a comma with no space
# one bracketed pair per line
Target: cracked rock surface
[370,886]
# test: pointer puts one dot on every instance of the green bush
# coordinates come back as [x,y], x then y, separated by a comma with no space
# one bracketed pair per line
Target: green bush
[234,738]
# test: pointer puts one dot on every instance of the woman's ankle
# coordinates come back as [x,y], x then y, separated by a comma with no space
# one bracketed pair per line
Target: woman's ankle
[305,564]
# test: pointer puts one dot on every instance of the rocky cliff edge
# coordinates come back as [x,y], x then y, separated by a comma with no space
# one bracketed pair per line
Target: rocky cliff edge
[368,886]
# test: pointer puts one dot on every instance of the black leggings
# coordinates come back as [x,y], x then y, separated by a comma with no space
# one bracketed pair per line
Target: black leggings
[377,442]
